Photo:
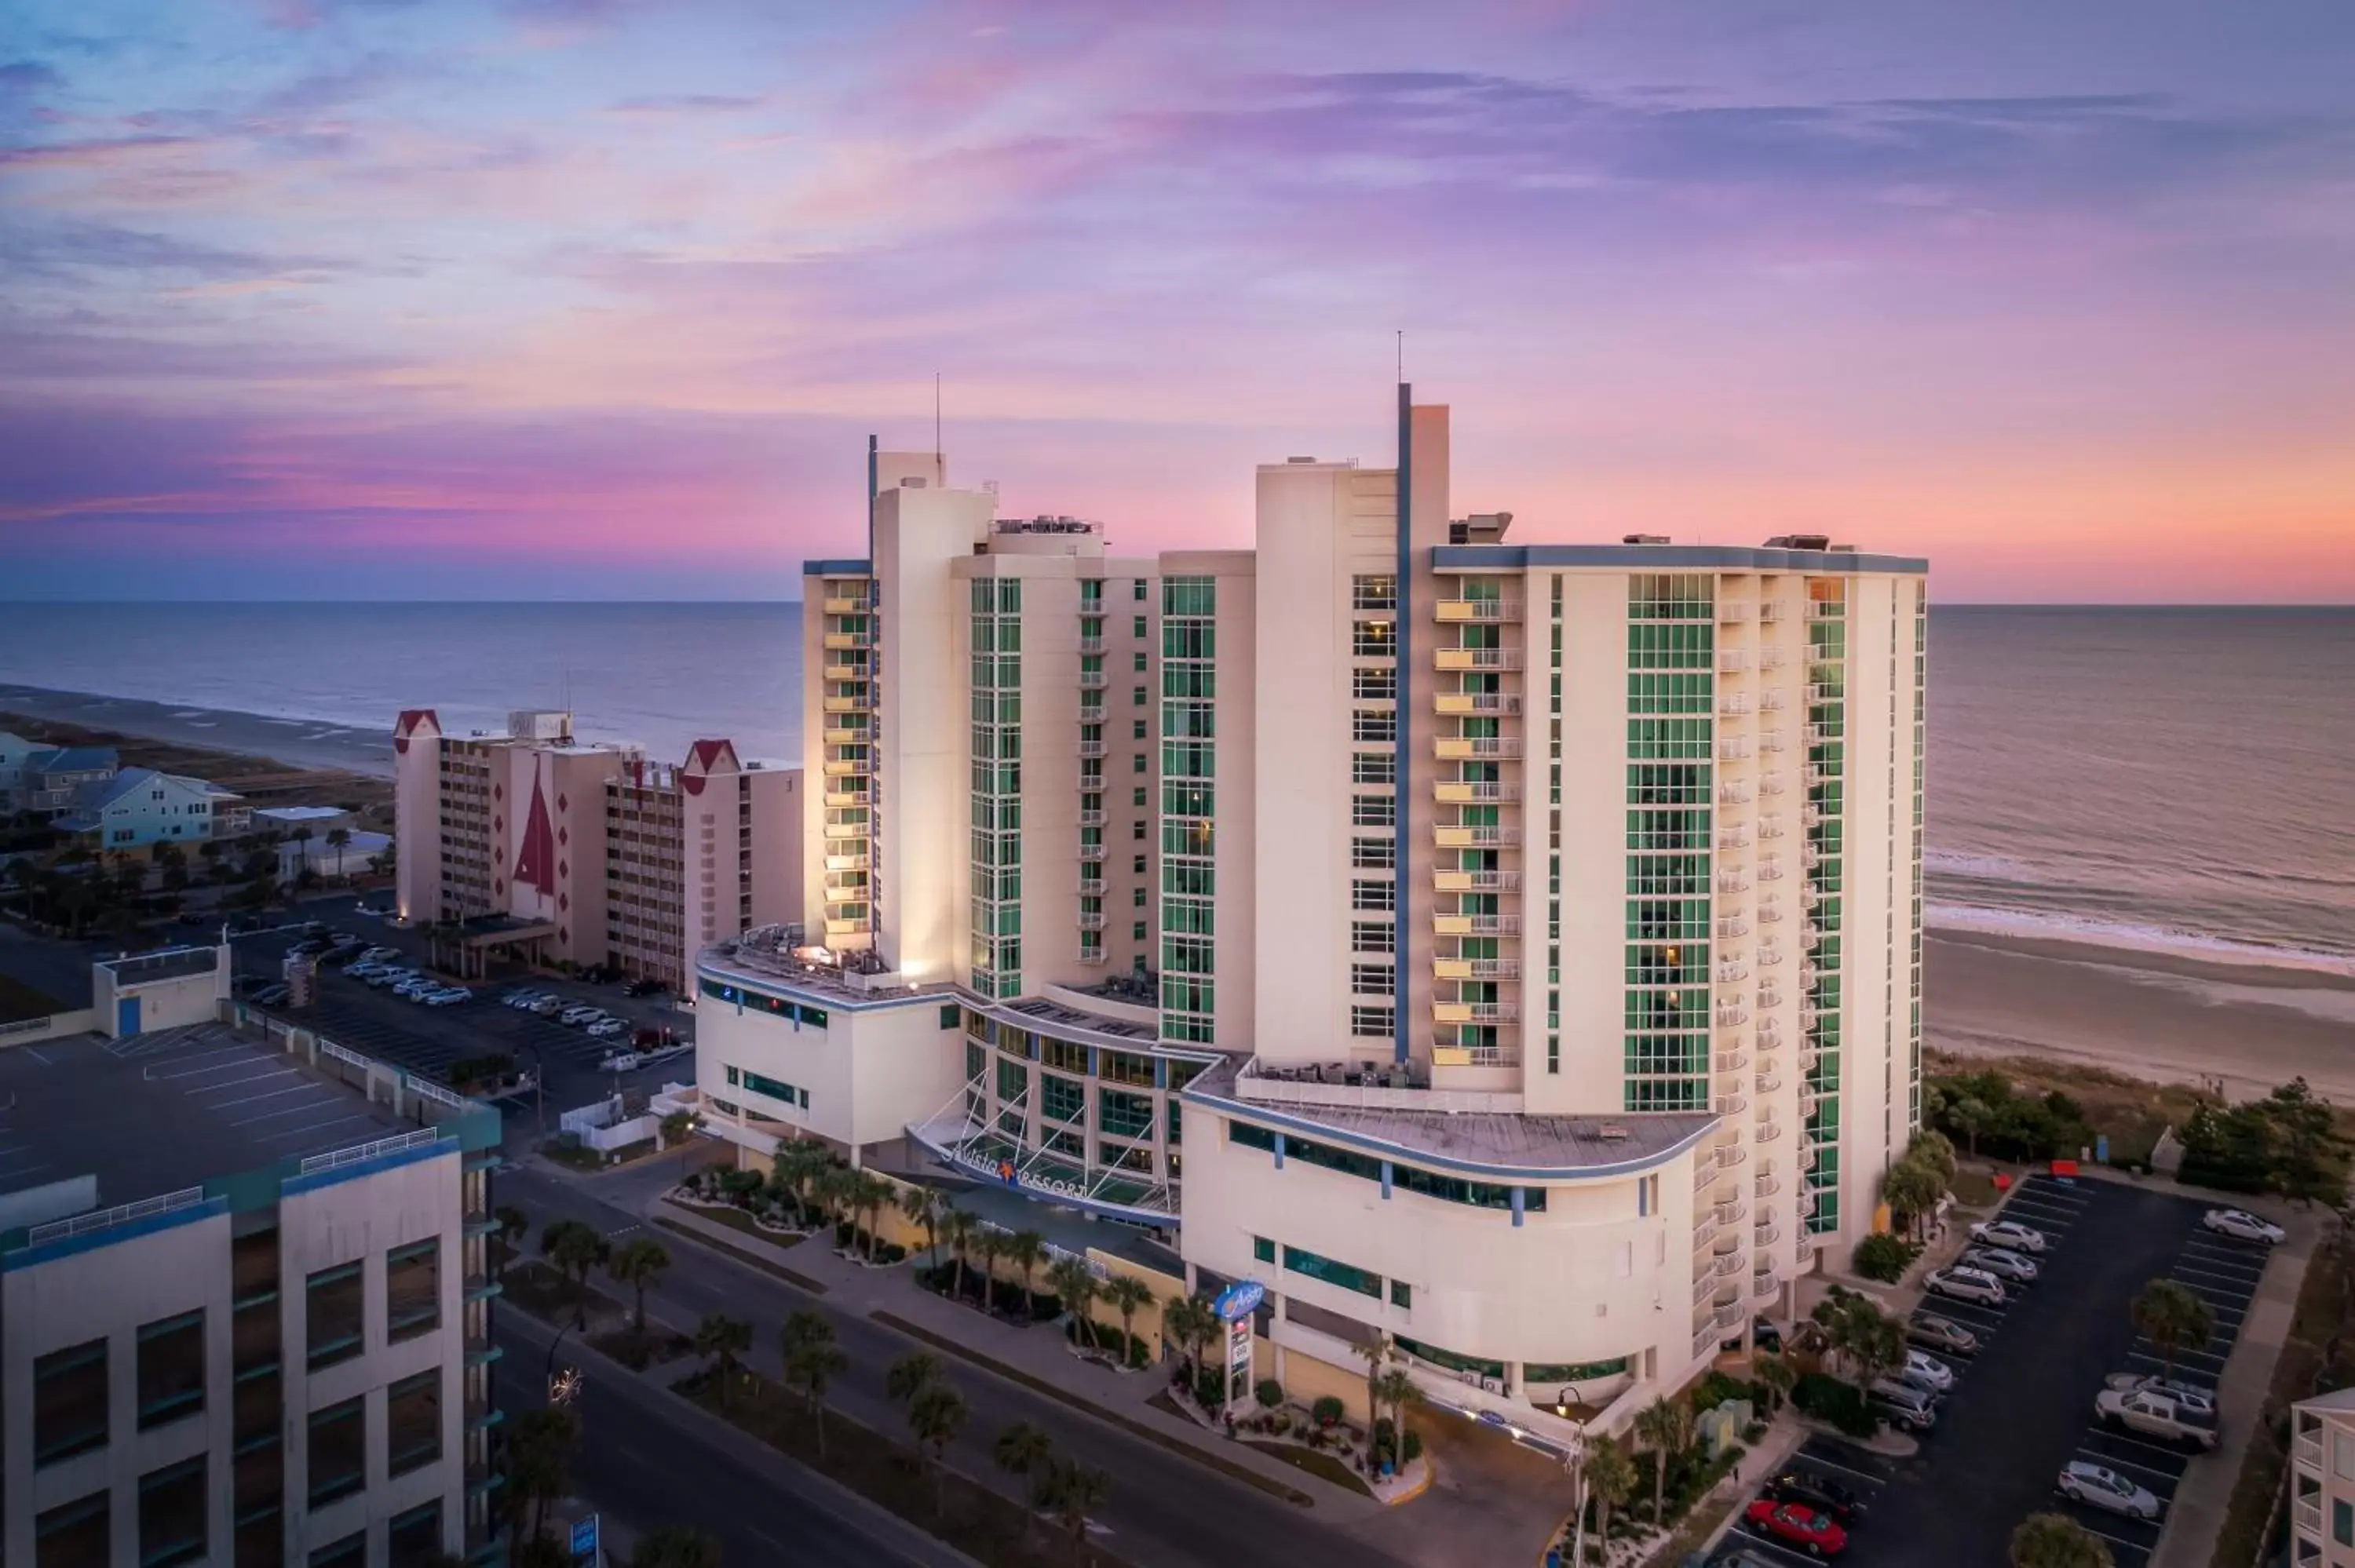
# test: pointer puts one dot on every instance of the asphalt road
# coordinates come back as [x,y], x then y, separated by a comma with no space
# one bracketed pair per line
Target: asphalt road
[1165,1510]
[649,1459]
[2022,1407]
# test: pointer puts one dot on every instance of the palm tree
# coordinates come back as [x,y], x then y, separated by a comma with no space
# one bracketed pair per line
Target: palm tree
[574,1247]
[795,1164]
[1610,1481]
[1073,1490]
[1023,1450]
[829,1185]
[1777,1375]
[1970,1115]
[1911,1188]
[812,1359]
[720,1340]
[961,1229]
[1128,1294]
[935,1416]
[2173,1319]
[1074,1285]
[674,1545]
[1377,1354]
[1189,1320]
[639,1263]
[539,1463]
[1397,1388]
[910,1375]
[1665,1427]
[991,1246]
[338,840]
[1025,1250]
[2056,1540]
[513,1225]
[922,1207]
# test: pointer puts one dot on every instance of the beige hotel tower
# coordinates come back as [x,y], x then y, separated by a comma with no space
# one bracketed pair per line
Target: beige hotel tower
[1510,949]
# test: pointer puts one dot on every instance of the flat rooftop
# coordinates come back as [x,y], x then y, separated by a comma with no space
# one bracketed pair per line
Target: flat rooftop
[761,957]
[1485,1140]
[1056,1013]
[169,963]
[159,1112]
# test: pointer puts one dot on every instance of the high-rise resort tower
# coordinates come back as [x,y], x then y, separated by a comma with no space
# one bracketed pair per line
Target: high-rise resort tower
[1508,948]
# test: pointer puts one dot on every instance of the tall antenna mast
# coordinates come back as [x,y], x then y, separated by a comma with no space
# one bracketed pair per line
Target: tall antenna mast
[1402,354]
[938,461]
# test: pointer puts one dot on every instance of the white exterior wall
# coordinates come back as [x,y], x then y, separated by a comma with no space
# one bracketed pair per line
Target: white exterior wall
[921,780]
[110,1290]
[869,1073]
[1586,1280]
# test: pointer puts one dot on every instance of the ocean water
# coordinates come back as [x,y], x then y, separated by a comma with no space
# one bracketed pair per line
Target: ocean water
[2166,778]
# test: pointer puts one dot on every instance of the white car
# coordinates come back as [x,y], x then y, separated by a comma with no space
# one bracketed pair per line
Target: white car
[2194,1399]
[579,1014]
[1925,1371]
[2099,1487]
[2242,1225]
[2009,1233]
[606,1028]
[448,996]
[1966,1285]
[2003,1264]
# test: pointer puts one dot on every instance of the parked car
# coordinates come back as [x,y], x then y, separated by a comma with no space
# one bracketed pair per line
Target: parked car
[2242,1225]
[1798,1526]
[2002,1264]
[271,996]
[1903,1406]
[390,977]
[1926,1372]
[1766,1335]
[578,1013]
[644,988]
[2099,1487]
[606,1028]
[448,996]
[549,1006]
[1966,1285]
[1734,1559]
[416,986]
[2009,1233]
[2155,1415]
[1816,1492]
[1941,1334]
[2198,1401]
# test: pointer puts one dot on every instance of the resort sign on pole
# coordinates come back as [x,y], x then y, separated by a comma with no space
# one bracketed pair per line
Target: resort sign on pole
[1234,1307]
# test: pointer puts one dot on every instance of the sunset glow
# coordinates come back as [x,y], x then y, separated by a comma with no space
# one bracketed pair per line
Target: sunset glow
[597,298]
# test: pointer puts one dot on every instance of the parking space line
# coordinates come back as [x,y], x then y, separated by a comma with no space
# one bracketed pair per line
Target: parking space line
[266,1095]
[268,1073]
[2139,1443]
[2111,1460]
[316,1126]
[330,1098]
[1844,1469]
[1777,1547]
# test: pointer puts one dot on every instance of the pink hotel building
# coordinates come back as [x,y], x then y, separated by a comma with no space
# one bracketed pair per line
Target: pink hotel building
[543,846]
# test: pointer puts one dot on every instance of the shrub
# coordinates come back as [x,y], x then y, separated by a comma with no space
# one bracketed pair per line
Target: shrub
[1884,1257]
[1716,1387]
[1411,1450]
[1327,1411]
[1269,1392]
[1826,1398]
[843,1233]
[892,1251]
[1209,1387]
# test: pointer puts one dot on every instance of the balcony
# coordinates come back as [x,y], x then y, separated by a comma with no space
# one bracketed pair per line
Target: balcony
[1729,610]
[1449,969]
[1766,1233]
[847,672]
[1091,954]
[1475,1012]
[853,860]
[1770,658]
[1765,1132]
[1703,1287]
[1732,749]
[1462,748]
[846,607]
[1478,658]
[1731,926]
[1771,785]
[1768,996]
[1770,870]
[1768,915]
[1731,1211]
[2309,1453]
[847,704]
[847,642]
[1093,680]
[846,924]
[1734,704]
[1806,1251]
[846,734]
[1092,783]
[1765,1286]
[1092,922]
[1092,644]
[1472,791]
[1730,1155]
[1444,1054]
[846,830]
[1091,819]
[1770,609]
[1705,1174]
[1479,702]
[848,798]
[1093,711]
[1092,853]
[1475,881]
[1092,749]
[1455,835]
[1734,838]
[1733,794]
[1483,610]
[1733,660]
[1731,1105]
[1767,1083]
[1732,1061]
[1767,1184]
[1771,740]
[1091,887]
[1477,925]
[1726,1267]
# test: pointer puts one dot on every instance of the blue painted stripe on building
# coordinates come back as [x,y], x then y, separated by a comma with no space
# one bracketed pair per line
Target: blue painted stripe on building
[1385,1149]
[360,1168]
[835,568]
[1667,557]
[90,1241]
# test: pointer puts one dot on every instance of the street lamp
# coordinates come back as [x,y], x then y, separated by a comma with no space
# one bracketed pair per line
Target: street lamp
[562,1388]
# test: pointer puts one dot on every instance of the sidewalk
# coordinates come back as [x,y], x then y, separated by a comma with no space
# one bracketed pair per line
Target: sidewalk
[1041,1353]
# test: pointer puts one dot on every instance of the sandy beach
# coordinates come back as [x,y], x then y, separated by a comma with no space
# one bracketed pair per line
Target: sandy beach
[297,743]
[2159,1016]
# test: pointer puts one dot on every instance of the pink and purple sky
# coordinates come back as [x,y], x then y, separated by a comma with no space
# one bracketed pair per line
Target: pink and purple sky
[599,298]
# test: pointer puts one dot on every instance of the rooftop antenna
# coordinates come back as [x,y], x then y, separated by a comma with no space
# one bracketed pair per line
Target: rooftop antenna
[1402,354]
[938,461]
